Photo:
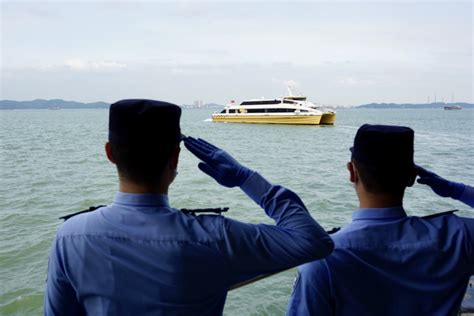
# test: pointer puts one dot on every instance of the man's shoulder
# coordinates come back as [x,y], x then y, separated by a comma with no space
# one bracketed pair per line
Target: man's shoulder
[313,268]
[346,232]
[78,222]
[440,218]
[210,225]
[439,215]
[444,220]
[406,230]
[88,210]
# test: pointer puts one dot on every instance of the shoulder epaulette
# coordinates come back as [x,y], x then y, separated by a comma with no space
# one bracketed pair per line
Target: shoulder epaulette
[90,209]
[204,210]
[439,214]
[334,230]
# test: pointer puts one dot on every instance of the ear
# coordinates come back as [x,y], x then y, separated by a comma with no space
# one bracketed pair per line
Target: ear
[108,152]
[352,172]
[412,178]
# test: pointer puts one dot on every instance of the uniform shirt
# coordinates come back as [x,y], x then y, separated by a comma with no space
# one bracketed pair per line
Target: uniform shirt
[387,263]
[139,256]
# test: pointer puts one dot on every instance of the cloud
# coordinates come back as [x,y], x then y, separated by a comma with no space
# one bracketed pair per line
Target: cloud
[351,81]
[78,64]
[107,65]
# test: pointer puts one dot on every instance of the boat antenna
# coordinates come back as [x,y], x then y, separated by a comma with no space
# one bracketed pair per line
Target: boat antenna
[290,91]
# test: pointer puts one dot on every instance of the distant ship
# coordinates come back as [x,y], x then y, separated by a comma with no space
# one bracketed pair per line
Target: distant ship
[453,107]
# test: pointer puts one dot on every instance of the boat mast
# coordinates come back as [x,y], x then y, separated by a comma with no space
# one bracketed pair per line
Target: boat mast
[290,91]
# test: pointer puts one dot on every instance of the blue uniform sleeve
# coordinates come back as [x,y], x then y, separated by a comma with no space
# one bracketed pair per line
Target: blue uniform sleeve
[257,249]
[312,291]
[469,229]
[467,197]
[60,297]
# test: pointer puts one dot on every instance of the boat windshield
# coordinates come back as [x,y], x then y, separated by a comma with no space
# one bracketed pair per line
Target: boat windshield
[296,98]
[262,102]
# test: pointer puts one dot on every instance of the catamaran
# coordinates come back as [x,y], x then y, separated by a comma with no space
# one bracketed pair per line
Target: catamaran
[290,109]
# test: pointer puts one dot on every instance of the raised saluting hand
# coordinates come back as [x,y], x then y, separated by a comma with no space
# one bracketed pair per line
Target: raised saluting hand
[217,163]
[440,186]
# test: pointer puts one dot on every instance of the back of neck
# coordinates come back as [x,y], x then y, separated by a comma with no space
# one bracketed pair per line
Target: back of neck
[132,187]
[370,200]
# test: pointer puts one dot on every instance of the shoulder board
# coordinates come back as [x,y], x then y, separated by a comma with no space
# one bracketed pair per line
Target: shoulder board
[204,210]
[439,214]
[90,209]
[334,230]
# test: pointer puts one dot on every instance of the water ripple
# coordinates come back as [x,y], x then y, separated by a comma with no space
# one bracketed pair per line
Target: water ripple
[53,163]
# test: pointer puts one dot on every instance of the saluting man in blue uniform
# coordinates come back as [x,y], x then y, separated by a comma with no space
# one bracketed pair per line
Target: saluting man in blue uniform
[385,262]
[140,256]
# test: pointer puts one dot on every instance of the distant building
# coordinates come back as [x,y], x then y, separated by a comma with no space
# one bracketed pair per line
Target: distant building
[198,103]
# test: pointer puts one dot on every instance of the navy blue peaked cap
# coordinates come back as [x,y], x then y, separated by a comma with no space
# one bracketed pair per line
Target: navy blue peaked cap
[137,122]
[384,146]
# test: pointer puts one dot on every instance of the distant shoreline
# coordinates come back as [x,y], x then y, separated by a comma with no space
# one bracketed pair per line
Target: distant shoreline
[437,105]
[59,104]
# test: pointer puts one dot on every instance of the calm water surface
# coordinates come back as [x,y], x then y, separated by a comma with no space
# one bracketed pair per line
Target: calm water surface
[52,163]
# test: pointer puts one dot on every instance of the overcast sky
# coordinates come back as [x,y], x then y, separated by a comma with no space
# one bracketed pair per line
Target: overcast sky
[344,53]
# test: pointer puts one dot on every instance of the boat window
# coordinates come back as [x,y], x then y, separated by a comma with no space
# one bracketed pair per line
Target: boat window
[260,102]
[223,111]
[296,98]
[256,110]
[232,111]
[270,110]
[288,101]
[281,110]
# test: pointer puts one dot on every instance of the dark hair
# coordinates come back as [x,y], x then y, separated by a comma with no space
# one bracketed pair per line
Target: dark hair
[383,180]
[141,164]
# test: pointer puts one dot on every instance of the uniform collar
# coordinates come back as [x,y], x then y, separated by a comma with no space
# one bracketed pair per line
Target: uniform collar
[379,213]
[141,199]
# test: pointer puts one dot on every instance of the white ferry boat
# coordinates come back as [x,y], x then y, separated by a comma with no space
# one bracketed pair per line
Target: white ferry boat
[289,109]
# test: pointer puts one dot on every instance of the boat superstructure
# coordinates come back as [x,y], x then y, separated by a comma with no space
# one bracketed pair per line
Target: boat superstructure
[329,116]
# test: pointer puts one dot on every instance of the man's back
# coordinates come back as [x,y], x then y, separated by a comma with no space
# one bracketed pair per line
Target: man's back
[139,256]
[386,263]
[151,258]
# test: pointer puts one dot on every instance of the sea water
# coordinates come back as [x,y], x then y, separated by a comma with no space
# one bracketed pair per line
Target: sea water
[52,163]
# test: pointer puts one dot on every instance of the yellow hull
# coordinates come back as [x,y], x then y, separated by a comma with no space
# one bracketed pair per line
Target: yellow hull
[269,119]
[328,118]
